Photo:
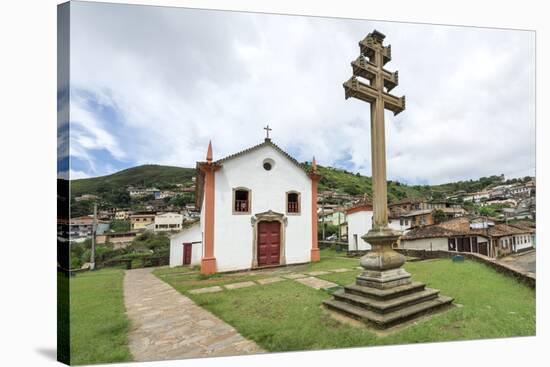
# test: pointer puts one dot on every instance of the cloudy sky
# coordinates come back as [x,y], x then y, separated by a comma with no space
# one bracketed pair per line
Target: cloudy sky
[155,84]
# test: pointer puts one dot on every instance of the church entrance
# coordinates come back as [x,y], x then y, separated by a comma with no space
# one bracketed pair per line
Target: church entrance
[269,243]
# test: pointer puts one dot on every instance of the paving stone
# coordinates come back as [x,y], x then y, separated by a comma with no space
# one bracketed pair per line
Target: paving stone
[239,285]
[168,325]
[294,276]
[270,280]
[342,270]
[316,283]
[319,272]
[206,290]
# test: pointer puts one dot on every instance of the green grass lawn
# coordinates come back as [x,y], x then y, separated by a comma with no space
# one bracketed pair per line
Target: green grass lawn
[287,315]
[99,325]
[187,278]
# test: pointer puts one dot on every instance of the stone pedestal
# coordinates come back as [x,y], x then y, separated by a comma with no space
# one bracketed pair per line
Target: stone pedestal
[384,294]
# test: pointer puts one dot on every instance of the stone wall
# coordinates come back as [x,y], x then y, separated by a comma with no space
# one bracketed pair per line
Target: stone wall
[522,276]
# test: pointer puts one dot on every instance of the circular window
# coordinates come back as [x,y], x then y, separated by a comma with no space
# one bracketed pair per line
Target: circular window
[268,164]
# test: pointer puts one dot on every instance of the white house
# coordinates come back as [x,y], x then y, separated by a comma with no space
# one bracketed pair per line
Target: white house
[400,223]
[186,246]
[359,223]
[166,222]
[258,209]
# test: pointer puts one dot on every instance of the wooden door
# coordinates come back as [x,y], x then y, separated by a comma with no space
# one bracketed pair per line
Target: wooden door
[269,243]
[460,244]
[475,247]
[187,247]
[483,248]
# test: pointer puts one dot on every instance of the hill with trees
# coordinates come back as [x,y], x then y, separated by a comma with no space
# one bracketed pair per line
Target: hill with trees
[112,189]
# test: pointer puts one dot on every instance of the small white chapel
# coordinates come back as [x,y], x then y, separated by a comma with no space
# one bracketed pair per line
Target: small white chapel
[258,209]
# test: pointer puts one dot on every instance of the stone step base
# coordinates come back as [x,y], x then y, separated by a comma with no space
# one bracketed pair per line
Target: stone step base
[385,294]
[387,306]
[386,320]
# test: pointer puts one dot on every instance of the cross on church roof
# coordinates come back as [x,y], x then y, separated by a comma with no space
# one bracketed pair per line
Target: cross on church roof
[267,130]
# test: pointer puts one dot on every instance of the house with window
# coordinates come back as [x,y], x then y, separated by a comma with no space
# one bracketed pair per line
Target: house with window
[332,216]
[141,220]
[168,222]
[359,218]
[81,228]
[258,208]
[484,237]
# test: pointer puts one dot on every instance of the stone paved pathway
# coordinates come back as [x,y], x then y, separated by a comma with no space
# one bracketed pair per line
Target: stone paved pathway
[316,283]
[167,325]
[309,279]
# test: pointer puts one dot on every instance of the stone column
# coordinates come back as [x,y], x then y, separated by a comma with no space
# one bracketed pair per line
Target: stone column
[208,262]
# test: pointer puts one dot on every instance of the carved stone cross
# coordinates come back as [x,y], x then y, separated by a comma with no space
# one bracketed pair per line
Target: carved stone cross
[370,66]
[383,272]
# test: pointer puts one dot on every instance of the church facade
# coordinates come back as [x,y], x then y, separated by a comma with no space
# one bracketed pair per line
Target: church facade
[258,209]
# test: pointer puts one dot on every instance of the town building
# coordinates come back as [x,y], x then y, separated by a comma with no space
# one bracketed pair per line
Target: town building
[122,214]
[168,222]
[86,197]
[332,216]
[186,246]
[477,197]
[141,220]
[141,192]
[481,236]
[117,239]
[159,195]
[258,209]
[359,220]
[407,205]
[81,228]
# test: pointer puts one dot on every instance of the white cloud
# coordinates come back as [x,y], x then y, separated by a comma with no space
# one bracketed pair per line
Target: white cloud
[75,175]
[181,77]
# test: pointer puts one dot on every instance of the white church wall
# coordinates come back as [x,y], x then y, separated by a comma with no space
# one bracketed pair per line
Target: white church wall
[191,234]
[233,234]
[359,223]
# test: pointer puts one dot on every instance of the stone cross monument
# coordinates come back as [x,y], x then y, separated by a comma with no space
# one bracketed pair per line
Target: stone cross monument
[384,293]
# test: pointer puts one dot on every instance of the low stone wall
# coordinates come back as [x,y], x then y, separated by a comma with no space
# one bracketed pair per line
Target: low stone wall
[332,244]
[522,276]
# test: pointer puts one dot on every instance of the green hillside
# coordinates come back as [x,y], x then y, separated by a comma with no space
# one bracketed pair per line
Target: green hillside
[112,187]
[346,182]
[149,175]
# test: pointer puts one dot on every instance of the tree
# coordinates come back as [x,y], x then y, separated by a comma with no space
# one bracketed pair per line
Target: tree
[182,199]
[119,225]
[118,197]
[158,243]
[439,216]
[81,208]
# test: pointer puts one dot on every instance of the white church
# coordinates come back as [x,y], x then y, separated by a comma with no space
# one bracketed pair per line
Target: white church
[258,209]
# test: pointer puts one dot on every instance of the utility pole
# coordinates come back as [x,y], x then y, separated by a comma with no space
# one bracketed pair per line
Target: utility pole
[339,208]
[323,215]
[94,229]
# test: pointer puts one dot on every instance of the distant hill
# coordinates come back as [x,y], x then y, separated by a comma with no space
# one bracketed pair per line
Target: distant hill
[343,181]
[335,179]
[149,175]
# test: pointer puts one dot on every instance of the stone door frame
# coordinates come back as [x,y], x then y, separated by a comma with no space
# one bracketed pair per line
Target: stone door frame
[269,216]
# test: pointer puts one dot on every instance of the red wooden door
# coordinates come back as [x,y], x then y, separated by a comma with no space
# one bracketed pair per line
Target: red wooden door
[187,247]
[269,243]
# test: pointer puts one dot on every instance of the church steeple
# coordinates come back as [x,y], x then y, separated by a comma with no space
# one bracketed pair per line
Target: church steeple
[209,152]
